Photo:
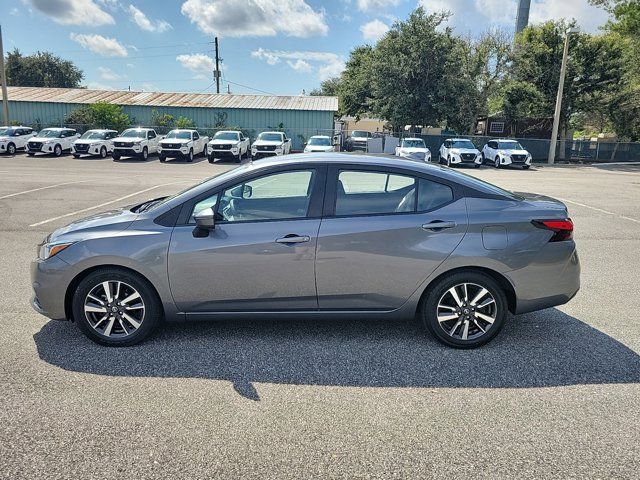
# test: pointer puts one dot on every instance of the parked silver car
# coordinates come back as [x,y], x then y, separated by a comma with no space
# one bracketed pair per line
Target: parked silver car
[331,235]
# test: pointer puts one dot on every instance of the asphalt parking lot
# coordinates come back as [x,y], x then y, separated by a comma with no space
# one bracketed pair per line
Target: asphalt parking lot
[557,394]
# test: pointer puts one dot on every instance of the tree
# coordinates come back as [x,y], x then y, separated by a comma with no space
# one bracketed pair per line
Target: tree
[328,87]
[162,119]
[42,69]
[354,90]
[99,115]
[184,122]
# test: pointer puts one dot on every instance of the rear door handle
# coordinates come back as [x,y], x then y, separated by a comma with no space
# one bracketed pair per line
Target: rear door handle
[293,239]
[438,225]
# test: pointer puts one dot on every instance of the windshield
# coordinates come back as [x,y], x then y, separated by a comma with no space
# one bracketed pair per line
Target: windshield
[221,177]
[360,133]
[179,134]
[462,144]
[413,143]
[226,136]
[133,133]
[510,146]
[92,135]
[46,133]
[320,141]
[270,137]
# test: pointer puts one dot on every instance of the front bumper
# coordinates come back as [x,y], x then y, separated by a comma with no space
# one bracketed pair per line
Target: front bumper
[174,153]
[507,160]
[266,153]
[49,280]
[134,151]
[89,151]
[458,160]
[46,148]
[223,153]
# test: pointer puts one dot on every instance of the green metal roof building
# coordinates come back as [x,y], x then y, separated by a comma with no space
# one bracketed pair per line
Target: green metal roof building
[299,116]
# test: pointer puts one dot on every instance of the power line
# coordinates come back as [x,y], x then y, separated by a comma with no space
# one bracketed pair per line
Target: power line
[248,87]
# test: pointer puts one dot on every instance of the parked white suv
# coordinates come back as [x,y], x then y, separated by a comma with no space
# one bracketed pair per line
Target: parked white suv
[459,151]
[136,142]
[319,143]
[229,144]
[94,142]
[14,138]
[506,152]
[271,143]
[182,143]
[52,140]
[413,149]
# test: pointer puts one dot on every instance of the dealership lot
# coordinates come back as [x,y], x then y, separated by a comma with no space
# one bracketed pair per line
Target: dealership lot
[557,394]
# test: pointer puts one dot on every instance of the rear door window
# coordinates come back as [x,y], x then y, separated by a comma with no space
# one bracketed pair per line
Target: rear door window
[371,193]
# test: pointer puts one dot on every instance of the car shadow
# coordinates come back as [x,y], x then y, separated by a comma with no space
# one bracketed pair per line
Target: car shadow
[184,161]
[542,349]
[150,158]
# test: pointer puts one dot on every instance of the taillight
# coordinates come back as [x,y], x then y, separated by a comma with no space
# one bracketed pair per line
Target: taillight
[563,229]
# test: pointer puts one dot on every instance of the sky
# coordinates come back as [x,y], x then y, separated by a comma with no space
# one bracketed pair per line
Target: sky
[268,46]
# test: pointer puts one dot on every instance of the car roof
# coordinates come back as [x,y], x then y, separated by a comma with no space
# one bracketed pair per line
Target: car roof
[229,131]
[100,130]
[319,136]
[412,138]
[503,140]
[456,139]
[271,132]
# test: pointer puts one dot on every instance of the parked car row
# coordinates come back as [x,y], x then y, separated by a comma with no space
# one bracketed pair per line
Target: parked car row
[461,151]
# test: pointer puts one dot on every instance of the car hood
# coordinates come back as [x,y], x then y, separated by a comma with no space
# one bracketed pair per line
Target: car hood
[174,140]
[514,152]
[318,148]
[413,150]
[268,142]
[44,139]
[360,139]
[458,151]
[89,227]
[86,140]
[128,139]
[217,141]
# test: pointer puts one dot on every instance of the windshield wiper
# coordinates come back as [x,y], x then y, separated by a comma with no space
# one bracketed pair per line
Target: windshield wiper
[144,206]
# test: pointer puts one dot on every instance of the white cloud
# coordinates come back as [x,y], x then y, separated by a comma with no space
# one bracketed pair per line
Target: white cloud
[99,86]
[258,18]
[374,30]
[300,65]
[149,87]
[108,74]
[107,47]
[197,63]
[73,12]
[589,17]
[376,5]
[140,19]
[327,64]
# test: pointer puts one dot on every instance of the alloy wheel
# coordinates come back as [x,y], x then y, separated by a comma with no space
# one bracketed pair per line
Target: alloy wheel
[466,311]
[114,309]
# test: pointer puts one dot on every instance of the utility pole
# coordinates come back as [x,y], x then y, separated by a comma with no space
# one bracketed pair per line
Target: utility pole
[216,73]
[5,99]
[556,117]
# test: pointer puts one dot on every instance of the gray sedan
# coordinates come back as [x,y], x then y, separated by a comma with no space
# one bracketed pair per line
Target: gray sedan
[323,235]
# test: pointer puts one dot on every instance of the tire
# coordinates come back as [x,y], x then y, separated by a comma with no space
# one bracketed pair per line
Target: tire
[31,154]
[190,156]
[162,158]
[113,333]
[484,159]
[451,332]
[116,157]
[448,161]
[476,165]
[205,151]
[57,151]
[526,167]
[496,162]
[103,152]
[211,158]
[75,155]
[11,149]
[145,153]
[239,157]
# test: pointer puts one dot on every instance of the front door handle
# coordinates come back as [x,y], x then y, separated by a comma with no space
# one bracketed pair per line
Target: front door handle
[293,239]
[438,225]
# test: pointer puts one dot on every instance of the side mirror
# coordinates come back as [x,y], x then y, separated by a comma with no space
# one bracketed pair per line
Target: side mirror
[205,219]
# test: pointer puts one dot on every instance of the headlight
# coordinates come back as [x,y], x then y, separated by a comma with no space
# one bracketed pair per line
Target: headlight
[48,250]
[138,142]
[94,145]
[529,157]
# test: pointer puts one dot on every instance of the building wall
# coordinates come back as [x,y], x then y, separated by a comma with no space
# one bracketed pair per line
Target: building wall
[298,124]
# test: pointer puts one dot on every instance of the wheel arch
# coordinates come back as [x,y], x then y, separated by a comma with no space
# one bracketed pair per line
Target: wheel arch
[71,288]
[503,281]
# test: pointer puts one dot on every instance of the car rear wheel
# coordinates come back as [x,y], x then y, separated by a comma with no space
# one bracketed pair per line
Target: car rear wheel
[116,308]
[465,309]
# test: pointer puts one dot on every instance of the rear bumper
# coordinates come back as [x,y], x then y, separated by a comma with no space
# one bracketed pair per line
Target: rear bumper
[552,279]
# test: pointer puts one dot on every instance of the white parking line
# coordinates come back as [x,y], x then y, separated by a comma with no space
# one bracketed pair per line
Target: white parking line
[601,210]
[41,188]
[103,204]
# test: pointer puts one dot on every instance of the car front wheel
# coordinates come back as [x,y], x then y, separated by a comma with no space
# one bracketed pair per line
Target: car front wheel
[103,152]
[465,309]
[497,162]
[115,307]
[11,149]
[57,150]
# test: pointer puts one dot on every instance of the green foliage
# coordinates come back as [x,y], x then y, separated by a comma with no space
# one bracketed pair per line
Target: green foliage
[328,87]
[355,86]
[42,69]
[162,119]
[99,115]
[184,122]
